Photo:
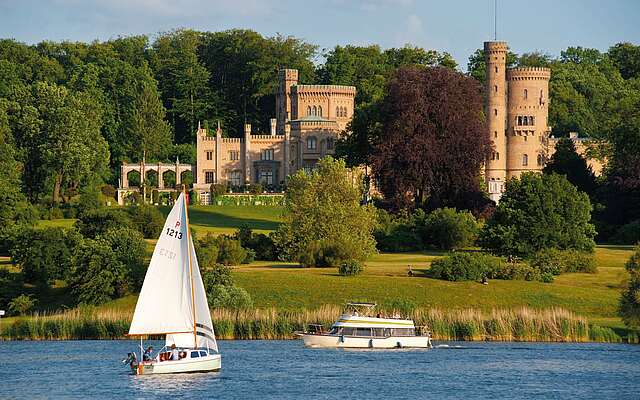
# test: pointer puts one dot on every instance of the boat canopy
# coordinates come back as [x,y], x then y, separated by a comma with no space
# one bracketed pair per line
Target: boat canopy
[350,321]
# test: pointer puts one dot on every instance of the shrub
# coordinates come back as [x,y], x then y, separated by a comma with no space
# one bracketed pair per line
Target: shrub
[217,275]
[129,248]
[350,267]
[155,196]
[396,233]
[250,257]
[108,191]
[11,284]
[627,234]
[555,262]
[147,219]
[230,297]
[89,200]
[462,267]
[207,251]
[22,304]
[218,189]
[324,254]
[231,252]
[97,222]
[449,229]
[97,273]
[629,308]
[255,188]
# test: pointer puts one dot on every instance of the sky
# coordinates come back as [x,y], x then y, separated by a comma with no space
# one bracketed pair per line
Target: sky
[455,26]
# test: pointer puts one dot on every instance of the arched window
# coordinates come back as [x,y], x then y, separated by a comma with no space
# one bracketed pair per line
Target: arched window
[496,70]
[495,88]
[338,112]
[495,111]
[495,134]
[312,143]
[314,111]
[320,111]
[519,120]
[531,120]
[309,110]
[525,160]
[497,155]
[493,155]
[526,94]
[540,160]
[525,120]
[330,144]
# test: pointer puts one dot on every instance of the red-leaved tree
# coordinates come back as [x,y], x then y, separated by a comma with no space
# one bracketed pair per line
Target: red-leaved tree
[433,142]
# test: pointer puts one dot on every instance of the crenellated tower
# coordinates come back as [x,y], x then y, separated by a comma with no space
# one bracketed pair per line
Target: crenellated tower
[528,110]
[286,79]
[495,111]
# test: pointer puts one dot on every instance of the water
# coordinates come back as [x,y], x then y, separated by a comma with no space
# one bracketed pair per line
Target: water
[286,370]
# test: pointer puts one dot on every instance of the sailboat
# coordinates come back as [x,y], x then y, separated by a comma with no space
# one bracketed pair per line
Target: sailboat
[173,303]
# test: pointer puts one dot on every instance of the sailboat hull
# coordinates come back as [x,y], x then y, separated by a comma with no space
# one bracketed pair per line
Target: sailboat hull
[211,363]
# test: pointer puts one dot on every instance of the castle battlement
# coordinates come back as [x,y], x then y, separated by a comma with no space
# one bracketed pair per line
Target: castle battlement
[529,73]
[275,138]
[232,140]
[496,47]
[324,90]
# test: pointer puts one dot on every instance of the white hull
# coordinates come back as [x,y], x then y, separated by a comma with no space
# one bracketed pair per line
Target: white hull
[359,342]
[210,363]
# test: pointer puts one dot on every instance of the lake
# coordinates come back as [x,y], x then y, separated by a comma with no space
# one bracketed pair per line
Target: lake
[284,369]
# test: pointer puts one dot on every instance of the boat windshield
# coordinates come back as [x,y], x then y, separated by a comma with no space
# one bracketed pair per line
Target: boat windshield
[362,309]
[373,332]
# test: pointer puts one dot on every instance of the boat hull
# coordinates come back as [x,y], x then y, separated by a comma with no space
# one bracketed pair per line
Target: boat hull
[211,363]
[359,342]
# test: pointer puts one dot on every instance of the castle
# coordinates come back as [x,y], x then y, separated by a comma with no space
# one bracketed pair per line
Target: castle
[309,118]
[305,129]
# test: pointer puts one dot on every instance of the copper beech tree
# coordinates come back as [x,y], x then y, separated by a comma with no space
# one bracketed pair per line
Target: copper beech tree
[433,142]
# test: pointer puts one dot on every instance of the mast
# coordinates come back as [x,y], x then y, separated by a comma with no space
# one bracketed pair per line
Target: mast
[193,293]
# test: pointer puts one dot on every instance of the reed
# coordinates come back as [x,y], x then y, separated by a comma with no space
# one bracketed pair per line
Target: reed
[520,324]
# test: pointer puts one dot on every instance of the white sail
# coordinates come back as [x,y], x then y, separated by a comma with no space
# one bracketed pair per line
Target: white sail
[166,301]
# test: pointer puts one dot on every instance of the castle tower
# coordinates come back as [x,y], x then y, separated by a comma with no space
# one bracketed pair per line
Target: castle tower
[286,79]
[527,130]
[495,110]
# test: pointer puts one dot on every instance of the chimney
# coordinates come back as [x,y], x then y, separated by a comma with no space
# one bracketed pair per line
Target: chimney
[272,122]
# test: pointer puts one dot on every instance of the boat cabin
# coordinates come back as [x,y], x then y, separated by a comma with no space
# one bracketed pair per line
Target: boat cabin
[166,355]
[372,332]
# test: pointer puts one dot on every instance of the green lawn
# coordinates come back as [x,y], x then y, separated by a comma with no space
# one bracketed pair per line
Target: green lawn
[227,219]
[385,278]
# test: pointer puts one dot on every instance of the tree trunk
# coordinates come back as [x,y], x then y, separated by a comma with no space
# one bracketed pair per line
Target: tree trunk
[56,188]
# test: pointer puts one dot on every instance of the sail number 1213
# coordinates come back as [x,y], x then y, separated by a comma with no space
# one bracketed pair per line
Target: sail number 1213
[174,233]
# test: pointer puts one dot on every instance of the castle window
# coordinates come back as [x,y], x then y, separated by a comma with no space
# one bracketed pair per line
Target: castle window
[496,70]
[531,120]
[209,155]
[493,155]
[329,143]
[540,160]
[495,134]
[525,160]
[312,143]
[519,120]
[236,178]
[314,111]
[495,111]
[308,110]
[266,177]
[234,155]
[525,138]
[338,112]
[525,120]
[320,111]
[209,176]
[266,155]
[497,155]
[526,94]
[495,88]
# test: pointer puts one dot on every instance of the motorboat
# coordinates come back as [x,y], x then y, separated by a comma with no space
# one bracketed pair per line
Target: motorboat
[358,327]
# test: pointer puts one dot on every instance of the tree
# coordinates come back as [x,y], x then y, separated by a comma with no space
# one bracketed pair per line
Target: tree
[147,219]
[626,57]
[630,301]
[97,222]
[22,304]
[566,161]
[150,131]
[537,212]
[448,229]
[433,140]
[324,206]
[44,254]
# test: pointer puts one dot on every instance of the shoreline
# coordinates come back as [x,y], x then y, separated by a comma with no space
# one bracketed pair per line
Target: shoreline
[521,324]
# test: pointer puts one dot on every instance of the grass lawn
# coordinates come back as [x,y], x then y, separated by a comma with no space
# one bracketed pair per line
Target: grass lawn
[227,219]
[55,223]
[385,279]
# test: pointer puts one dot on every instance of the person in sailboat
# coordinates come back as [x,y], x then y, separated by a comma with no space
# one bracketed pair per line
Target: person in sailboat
[175,354]
[147,356]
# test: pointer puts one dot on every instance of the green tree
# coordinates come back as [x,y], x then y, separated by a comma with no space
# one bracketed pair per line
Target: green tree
[150,131]
[630,301]
[566,161]
[22,304]
[96,222]
[44,254]
[147,219]
[537,212]
[324,205]
[449,229]
[626,56]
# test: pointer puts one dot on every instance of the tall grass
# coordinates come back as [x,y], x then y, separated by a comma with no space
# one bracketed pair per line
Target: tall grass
[521,324]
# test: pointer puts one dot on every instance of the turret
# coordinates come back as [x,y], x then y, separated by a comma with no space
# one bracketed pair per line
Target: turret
[495,54]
